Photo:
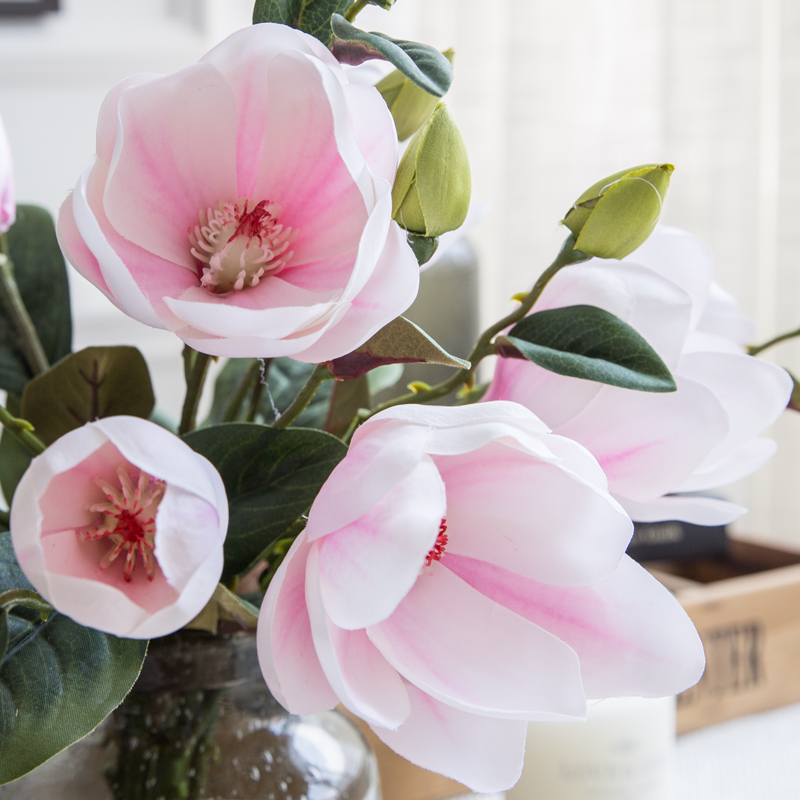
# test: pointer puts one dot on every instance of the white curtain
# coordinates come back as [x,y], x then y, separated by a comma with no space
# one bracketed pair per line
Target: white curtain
[551,96]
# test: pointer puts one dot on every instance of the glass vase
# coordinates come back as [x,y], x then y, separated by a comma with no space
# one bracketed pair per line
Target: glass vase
[201,723]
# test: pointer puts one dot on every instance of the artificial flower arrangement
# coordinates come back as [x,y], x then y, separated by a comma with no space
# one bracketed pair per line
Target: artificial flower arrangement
[446,573]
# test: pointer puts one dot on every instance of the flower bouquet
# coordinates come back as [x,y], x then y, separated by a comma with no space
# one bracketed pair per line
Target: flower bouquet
[444,572]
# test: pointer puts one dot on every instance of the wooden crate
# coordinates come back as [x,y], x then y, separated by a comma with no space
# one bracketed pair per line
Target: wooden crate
[746,608]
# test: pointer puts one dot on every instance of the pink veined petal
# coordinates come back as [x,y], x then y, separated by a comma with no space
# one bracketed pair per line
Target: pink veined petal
[631,635]
[744,461]
[76,251]
[646,442]
[108,118]
[243,58]
[369,566]
[484,754]
[364,681]
[519,670]
[390,290]
[540,520]
[374,129]
[371,469]
[174,155]
[696,509]
[753,393]
[310,163]
[682,259]
[285,648]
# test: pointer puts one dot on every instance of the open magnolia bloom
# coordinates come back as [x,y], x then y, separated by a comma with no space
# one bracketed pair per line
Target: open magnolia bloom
[462,572]
[652,446]
[244,202]
[120,525]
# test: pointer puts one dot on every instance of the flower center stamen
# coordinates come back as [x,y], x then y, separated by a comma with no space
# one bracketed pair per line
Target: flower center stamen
[128,521]
[437,551]
[238,243]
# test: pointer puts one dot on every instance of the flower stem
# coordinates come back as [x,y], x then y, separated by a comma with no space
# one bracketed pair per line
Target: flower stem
[196,371]
[354,9]
[755,349]
[298,405]
[22,430]
[27,337]
[258,390]
[484,347]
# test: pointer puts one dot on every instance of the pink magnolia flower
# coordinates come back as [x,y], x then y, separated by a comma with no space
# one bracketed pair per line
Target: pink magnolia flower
[652,446]
[120,525]
[462,572]
[244,202]
[8,208]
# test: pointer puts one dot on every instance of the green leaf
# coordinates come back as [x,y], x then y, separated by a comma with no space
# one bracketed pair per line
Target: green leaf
[311,16]
[285,379]
[58,682]
[348,398]
[15,458]
[41,276]
[422,64]
[588,342]
[271,477]
[94,383]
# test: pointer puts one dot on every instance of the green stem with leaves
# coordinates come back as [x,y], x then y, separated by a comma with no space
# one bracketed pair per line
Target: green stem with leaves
[354,9]
[306,395]
[755,349]
[22,430]
[196,369]
[484,346]
[27,337]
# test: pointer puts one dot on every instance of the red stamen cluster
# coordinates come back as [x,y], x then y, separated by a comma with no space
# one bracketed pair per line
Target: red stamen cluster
[437,551]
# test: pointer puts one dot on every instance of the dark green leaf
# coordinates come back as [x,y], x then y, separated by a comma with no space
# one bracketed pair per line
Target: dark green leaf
[284,380]
[271,477]
[15,458]
[41,276]
[588,342]
[58,681]
[422,64]
[311,16]
[93,383]
[348,397]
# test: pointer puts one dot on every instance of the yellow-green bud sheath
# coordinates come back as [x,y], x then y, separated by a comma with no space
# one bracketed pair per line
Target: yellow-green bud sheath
[616,215]
[410,105]
[433,184]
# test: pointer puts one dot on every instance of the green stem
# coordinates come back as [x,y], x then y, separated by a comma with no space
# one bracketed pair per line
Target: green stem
[22,430]
[24,597]
[258,391]
[354,9]
[298,405]
[484,347]
[245,385]
[27,337]
[755,349]
[196,371]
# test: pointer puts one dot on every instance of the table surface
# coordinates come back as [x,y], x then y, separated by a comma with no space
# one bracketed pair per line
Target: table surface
[750,758]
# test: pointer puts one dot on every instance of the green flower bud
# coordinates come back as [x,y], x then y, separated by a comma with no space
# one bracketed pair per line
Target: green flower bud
[616,215]
[410,105]
[433,184]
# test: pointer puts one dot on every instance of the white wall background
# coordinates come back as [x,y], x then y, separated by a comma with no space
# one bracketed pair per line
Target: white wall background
[551,96]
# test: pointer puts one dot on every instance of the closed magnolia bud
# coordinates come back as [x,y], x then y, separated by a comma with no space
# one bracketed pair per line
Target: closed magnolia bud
[616,215]
[410,105]
[433,184]
[7,206]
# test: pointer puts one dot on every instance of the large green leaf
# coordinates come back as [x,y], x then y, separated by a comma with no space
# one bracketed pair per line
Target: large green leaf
[93,383]
[41,276]
[421,63]
[58,681]
[588,342]
[15,458]
[285,378]
[271,477]
[311,16]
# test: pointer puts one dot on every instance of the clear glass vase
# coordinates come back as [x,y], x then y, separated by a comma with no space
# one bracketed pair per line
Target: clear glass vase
[201,723]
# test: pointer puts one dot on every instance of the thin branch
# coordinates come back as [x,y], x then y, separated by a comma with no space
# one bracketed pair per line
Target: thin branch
[354,9]
[195,378]
[298,405]
[246,383]
[22,430]
[755,349]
